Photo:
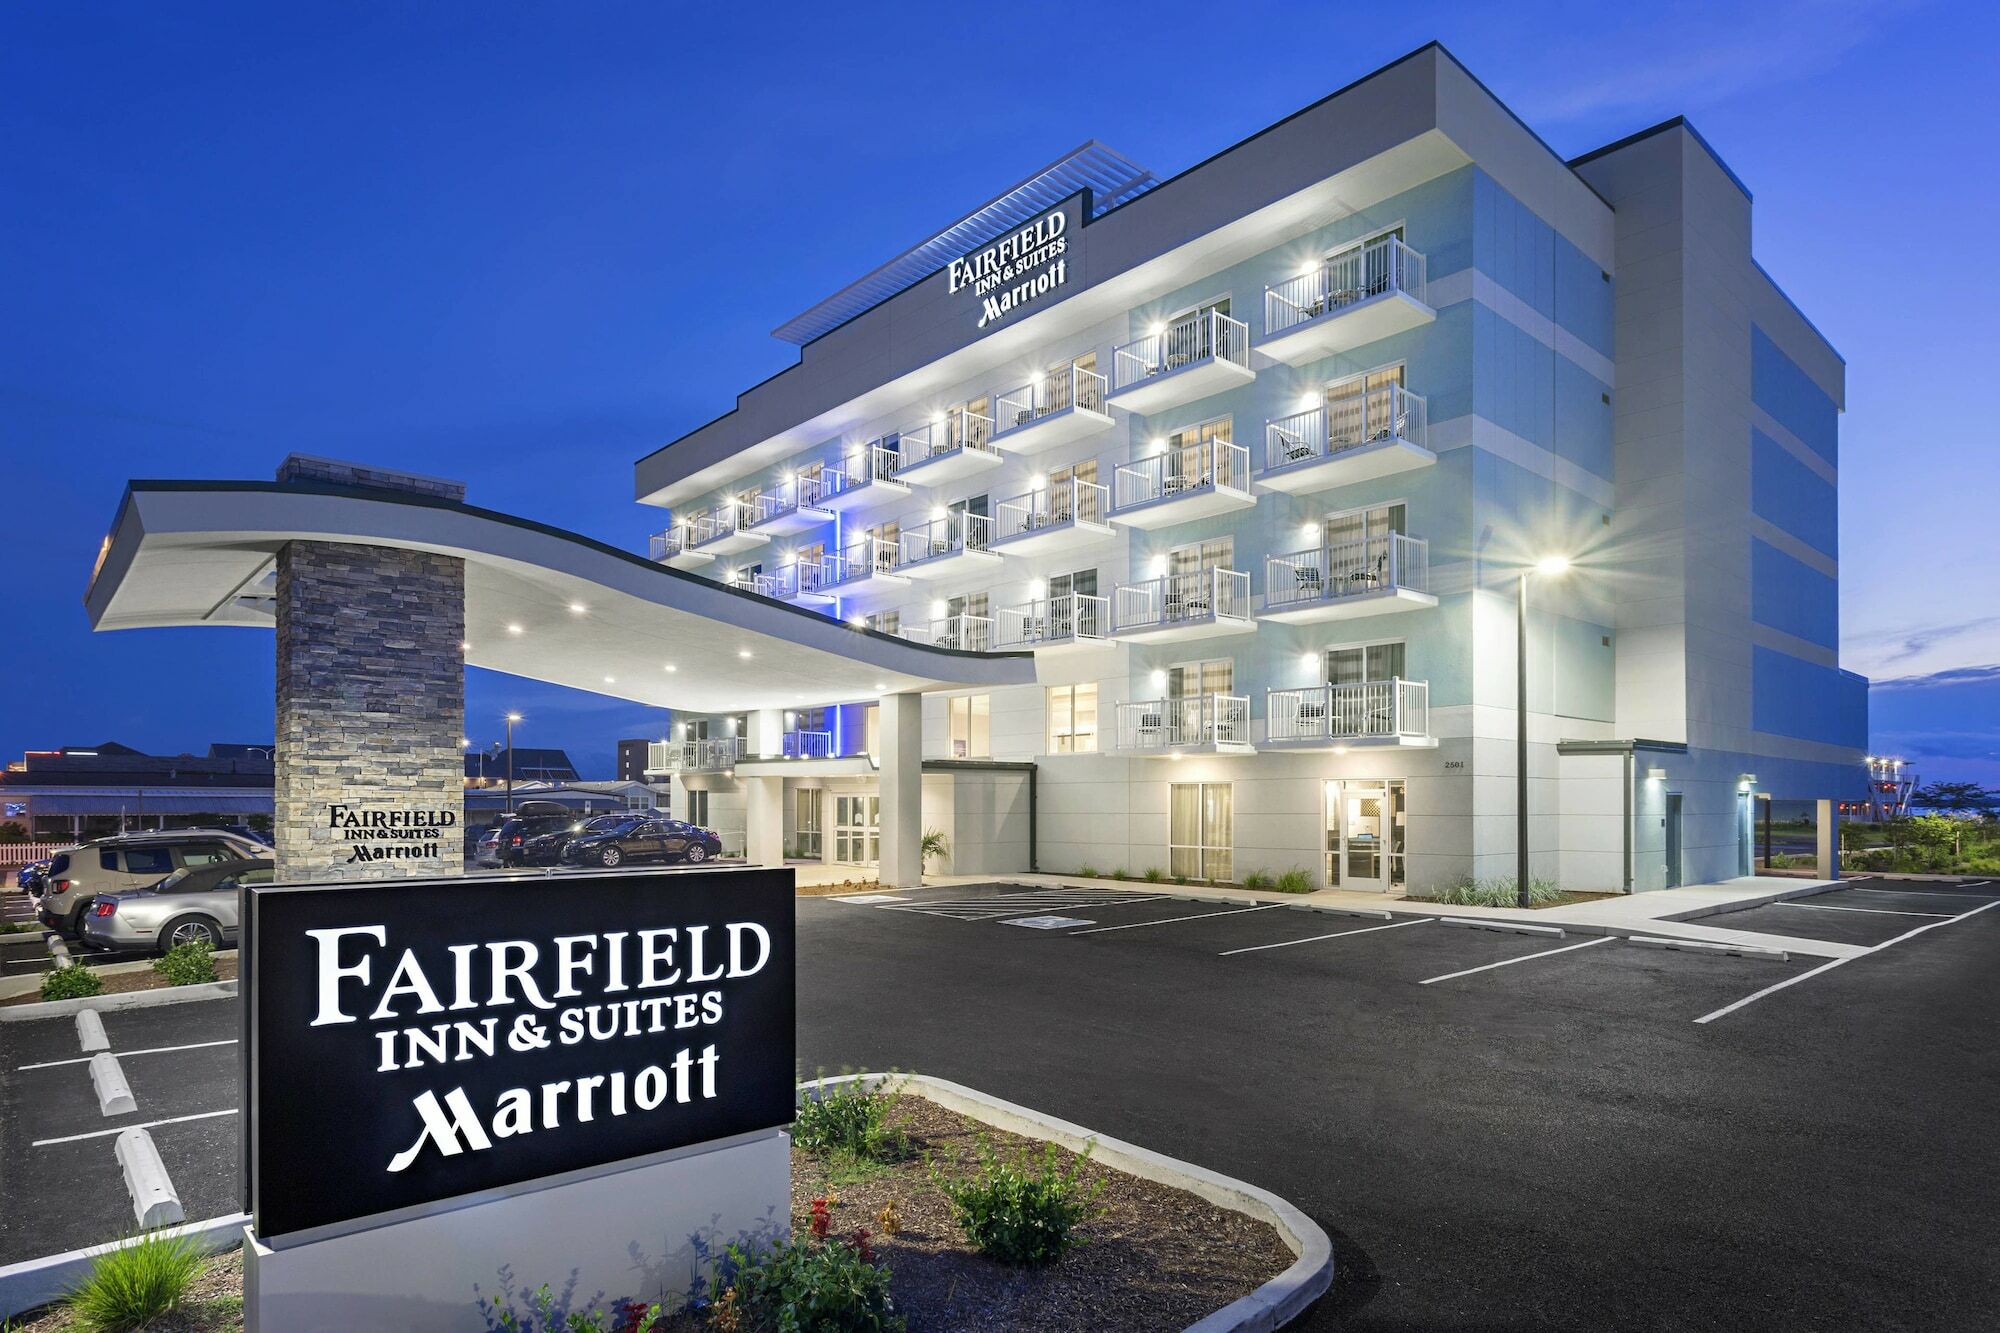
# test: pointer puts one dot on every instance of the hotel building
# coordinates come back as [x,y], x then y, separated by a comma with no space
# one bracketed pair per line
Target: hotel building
[1259,463]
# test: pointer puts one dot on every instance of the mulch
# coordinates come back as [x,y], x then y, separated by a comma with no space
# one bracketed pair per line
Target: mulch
[145,978]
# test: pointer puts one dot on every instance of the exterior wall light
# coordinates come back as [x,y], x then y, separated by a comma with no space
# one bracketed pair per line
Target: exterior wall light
[1656,775]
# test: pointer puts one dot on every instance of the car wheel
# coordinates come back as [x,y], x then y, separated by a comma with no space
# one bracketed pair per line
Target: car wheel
[609,857]
[72,925]
[696,852]
[191,930]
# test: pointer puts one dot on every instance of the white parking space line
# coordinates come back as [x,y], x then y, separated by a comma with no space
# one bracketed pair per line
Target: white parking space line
[1728,1009]
[1199,916]
[1509,962]
[1926,893]
[150,1124]
[987,909]
[127,1055]
[1338,934]
[1876,911]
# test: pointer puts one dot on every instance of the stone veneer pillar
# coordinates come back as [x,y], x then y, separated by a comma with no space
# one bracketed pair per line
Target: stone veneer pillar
[371,699]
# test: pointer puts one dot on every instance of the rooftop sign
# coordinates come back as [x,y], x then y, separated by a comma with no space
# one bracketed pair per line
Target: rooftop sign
[1016,269]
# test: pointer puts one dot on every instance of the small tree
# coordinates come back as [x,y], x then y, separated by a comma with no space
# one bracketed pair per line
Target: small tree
[13,832]
[935,845]
[1955,796]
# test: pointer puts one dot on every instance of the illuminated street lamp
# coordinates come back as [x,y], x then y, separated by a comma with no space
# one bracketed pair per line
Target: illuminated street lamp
[512,718]
[1551,566]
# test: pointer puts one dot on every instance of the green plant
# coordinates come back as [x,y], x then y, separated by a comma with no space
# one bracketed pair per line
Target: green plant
[1118,873]
[13,832]
[1155,875]
[1496,892]
[935,846]
[187,964]
[544,1312]
[1296,880]
[135,1284]
[811,1286]
[1180,879]
[1260,881]
[851,1119]
[1088,872]
[1019,1209]
[70,983]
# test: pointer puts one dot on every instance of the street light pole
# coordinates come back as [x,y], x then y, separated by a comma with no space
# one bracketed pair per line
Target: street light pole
[1551,565]
[512,718]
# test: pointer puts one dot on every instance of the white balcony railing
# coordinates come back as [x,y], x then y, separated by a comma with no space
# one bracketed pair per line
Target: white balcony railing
[696,756]
[873,463]
[1386,412]
[1056,505]
[720,521]
[1346,279]
[966,633]
[1196,595]
[1189,470]
[788,497]
[865,558]
[1065,618]
[666,545]
[1347,569]
[954,534]
[1211,335]
[1048,395]
[808,745]
[1375,709]
[799,577]
[968,431]
[1202,719]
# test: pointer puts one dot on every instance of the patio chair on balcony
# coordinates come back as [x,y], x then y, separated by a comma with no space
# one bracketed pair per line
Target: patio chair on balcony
[1312,716]
[1309,580]
[1370,576]
[1295,447]
[1151,728]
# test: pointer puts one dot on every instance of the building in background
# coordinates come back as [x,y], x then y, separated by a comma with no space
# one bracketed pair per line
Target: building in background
[89,791]
[632,756]
[1256,463]
[489,768]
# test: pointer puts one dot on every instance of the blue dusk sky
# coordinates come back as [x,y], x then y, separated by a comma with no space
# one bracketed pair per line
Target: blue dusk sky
[523,244]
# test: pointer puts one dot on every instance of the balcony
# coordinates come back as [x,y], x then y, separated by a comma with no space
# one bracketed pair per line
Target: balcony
[792,508]
[724,530]
[870,565]
[802,583]
[962,633]
[1058,517]
[1336,717]
[1177,608]
[1201,724]
[1370,577]
[1051,624]
[868,476]
[675,549]
[696,756]
[1055,410]
[1356,297]
[1181,485]
[949,546]
[1356,438]
[949,449]
[806,745]
[1169,367]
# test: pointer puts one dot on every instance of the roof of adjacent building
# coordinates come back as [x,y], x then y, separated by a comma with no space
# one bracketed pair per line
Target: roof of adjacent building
[528,761]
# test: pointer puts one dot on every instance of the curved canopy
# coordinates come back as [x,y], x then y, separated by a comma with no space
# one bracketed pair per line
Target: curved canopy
[205,553]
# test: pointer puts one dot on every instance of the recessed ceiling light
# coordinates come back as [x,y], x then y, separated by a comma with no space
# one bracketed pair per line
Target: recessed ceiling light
[577,608]
[513,629]
[611,680]
[881,685]
[671,667]
[743,653]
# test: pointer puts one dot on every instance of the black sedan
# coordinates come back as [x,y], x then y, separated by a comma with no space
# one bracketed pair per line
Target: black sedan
[546,849]
[643,839]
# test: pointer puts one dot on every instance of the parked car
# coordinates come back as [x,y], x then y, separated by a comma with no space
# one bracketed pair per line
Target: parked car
[130,861]
[197,902]
[29,878]
[546,849]
[643,838]
[534,840]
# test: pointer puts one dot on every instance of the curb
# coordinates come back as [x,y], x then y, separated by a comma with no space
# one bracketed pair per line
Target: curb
[1707,946]
[1502,925]
[1270,1306]
[131,999]
[155,1202]
[90,1032]
[12,986]
[114,1094]
[33,1283]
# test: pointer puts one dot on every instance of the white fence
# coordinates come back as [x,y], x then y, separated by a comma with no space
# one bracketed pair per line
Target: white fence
[14,854]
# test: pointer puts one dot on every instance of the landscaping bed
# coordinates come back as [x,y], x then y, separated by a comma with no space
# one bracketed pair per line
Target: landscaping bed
[1142,1256]
[132,976]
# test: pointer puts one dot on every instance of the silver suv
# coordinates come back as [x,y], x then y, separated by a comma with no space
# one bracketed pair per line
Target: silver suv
[130,861]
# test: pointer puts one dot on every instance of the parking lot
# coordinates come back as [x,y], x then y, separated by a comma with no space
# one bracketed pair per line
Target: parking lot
[1499,1130]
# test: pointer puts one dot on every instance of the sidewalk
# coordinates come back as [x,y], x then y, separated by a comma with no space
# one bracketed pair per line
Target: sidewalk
[1665,913]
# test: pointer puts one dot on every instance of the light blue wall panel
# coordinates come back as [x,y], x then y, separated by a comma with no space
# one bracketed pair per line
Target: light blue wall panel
[1793,697]
[1779,387]
[1793,597]
[1786,492]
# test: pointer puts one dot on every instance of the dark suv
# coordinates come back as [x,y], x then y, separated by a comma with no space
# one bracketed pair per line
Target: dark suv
[534,840]
[643,838]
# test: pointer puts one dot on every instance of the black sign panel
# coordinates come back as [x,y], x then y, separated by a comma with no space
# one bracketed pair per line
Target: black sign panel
[415,1040]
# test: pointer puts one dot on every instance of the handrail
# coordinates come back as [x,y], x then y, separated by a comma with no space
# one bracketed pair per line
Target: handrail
[1347,569]
[1060,391]
[941,435]
[807,745]
[1386,412]
[1356,274]
[1193,595]
[791,495]
[1064,502]
[667,544]
[964,632]
[1188,469]
[1062,618]
[1375,708]
[1200,719]
[697,756]
[863,558]
[1208,336]
[956,532]
[871,463]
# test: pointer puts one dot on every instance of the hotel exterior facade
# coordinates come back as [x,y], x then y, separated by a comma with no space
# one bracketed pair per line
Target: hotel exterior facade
[1259,463]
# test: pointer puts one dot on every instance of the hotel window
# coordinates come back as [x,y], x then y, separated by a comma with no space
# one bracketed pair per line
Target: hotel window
[1089,392]
[697,811]
[1364,662]
[1191,455]
[1360,409]
[973,535]
[888,622]
[1069,614]
[1362,525]
[1364,268]
[807,812]
[1187,680]
[1067,503]
[970,736]
[811,483]
[967,424]
[1073,719]
[1201,833]
[886,547]
[1190,335]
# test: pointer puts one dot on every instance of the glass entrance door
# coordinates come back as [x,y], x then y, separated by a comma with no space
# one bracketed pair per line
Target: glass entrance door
[857,830]
[1364,836]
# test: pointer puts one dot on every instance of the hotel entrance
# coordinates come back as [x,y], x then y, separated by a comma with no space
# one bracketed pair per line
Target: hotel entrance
[857,829]
[1366,824]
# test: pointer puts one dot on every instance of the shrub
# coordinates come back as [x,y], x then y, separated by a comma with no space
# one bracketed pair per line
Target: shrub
[187,964]
[821,1286]
[1118,873]
[544,1312]
[1296,880]
[71,983]
[135,1284]
[1155,875]
[853,1119]
[1495,892]
[1260,881]
[1019,1210]
[1088,872]
[935,846]
[1180,879]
